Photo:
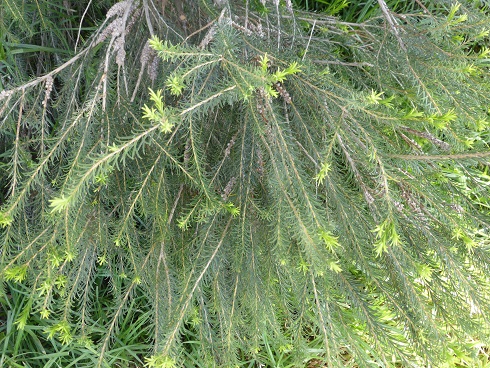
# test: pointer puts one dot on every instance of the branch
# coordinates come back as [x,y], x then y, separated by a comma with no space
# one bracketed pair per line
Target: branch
[441,157]
[391,22]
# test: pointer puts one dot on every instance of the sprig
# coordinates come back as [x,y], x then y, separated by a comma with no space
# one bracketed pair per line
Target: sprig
[281,74]
[5,219]
[386,235]
[158,113]
[59,204]
[16,273]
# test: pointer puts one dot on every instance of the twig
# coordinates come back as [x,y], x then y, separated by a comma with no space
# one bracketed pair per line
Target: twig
[439,143]
[456,156]
[193,107]
[38,80]
[246,14]
[80,25]
[147,16]
[200,30]
[426,11]
[17,144]
[342,63]
[389,18]
[309,40]
[278,24]
[164,4]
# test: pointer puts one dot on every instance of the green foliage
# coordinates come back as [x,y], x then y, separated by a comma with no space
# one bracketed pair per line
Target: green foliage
[254,186]
[33,338]
[159,114]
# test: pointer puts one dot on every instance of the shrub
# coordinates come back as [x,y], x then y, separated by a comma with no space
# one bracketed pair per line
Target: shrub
[253,177]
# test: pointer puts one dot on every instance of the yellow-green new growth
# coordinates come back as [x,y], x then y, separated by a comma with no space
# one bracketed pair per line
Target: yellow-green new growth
[386,236]
[322,174]
[377,99]
[452,19]
[441,121]
[21,321]
[231,209]
[280,75]
[176,84]
[59,204]
[334,266]
[5,219]
[264,62]
[62,331]
[157,113]
[15,273]
[331,241]
[159,361]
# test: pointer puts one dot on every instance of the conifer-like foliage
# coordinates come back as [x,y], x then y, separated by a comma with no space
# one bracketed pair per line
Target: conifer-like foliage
[209,183]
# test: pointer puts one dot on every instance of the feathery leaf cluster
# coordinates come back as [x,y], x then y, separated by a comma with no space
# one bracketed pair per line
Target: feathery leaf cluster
[253,175]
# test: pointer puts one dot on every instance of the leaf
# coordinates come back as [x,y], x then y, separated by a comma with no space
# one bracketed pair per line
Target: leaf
[264,62]
[413,114]
[150,113]
[176,85]
[293,68]
[386,236]
[16,273]
[374,98]
[334,266]
[5,219]
[380,247]
[3,54]
[280,75]
[45,313]
[231,209]
[331,241]
[425,272]
[441,121]
[155,43]
[157,99]
[21,320]
[323,172]
[59,204]
[159,361]
[62,330]
[452,12]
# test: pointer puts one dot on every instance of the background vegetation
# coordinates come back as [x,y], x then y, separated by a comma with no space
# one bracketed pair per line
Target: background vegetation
[265,183]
